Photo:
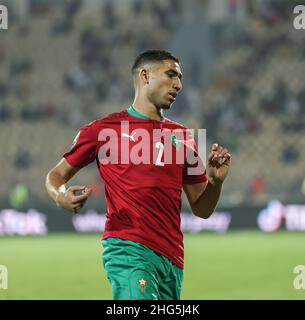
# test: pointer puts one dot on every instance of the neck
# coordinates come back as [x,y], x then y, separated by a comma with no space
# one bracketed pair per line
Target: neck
[148,109]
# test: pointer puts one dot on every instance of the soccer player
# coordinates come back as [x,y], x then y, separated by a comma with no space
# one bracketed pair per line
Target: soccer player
[143,252]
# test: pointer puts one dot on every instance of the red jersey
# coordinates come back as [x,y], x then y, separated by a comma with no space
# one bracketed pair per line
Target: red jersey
[143,196]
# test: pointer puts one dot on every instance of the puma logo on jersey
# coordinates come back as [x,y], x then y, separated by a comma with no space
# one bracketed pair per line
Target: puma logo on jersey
[128,136]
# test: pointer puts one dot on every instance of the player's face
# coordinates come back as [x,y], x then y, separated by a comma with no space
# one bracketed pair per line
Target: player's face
[164,84]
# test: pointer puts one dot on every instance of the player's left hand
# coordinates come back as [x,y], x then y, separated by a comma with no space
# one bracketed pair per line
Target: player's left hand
[218,164]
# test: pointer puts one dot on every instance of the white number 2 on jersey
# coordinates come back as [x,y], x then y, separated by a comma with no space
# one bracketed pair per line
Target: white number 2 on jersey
[159,145]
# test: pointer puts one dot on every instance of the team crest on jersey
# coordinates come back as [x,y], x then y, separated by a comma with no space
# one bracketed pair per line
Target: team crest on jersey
[176,143]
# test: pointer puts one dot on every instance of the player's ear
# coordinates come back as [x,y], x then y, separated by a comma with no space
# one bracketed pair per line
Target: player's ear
[144,75]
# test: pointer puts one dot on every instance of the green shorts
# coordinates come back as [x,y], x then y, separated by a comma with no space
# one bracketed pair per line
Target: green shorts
[136,272]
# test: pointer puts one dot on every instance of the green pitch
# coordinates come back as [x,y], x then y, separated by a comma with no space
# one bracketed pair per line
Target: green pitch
[236,265]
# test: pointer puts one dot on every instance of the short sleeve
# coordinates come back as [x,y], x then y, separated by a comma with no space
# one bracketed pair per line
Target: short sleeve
[84,148]
[199,175]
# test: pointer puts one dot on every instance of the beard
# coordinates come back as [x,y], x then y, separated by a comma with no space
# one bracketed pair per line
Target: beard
[164,103]
[166,106]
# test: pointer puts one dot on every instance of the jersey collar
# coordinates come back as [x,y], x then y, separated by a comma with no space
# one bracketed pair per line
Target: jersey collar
[133,112]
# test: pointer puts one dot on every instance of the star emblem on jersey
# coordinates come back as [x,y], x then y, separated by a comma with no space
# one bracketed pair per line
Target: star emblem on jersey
[176,143]
[142,284]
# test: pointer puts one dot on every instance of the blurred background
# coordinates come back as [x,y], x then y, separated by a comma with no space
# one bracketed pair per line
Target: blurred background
[66,63]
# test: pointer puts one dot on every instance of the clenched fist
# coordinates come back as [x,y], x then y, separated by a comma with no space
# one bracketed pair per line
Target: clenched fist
[69,199]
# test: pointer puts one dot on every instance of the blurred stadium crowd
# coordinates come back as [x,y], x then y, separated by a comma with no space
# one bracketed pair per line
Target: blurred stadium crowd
[65,63]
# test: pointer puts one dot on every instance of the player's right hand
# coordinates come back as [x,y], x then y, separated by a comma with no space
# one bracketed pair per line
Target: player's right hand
[70,201]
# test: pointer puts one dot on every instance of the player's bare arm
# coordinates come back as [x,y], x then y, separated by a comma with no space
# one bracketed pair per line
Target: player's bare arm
[203,197]
[66,198]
